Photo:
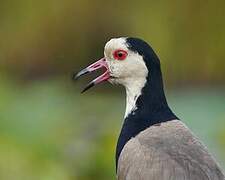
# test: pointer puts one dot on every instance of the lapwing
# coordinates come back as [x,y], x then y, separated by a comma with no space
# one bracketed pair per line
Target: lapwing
[154,144]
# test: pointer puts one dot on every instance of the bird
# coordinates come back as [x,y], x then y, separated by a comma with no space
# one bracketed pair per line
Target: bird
[154,144]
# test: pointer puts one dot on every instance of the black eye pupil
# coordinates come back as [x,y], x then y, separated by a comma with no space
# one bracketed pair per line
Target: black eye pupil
[120,54]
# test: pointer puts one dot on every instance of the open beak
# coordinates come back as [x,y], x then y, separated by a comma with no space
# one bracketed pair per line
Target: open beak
[93,67]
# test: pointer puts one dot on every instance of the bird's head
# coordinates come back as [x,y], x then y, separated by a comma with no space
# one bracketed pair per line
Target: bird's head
[124,62]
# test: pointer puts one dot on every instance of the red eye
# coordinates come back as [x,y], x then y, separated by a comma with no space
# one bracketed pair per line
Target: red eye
[120,54]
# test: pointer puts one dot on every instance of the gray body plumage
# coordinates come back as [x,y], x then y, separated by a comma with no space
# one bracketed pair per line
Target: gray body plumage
[167,151]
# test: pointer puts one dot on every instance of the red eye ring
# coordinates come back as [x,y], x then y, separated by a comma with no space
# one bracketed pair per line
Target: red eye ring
[120,54]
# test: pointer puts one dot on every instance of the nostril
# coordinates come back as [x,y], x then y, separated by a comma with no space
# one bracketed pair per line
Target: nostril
[96,65]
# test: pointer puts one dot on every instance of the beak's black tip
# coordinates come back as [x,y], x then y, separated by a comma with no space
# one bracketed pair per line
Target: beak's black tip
[76,76]
[90,85]
[83,91]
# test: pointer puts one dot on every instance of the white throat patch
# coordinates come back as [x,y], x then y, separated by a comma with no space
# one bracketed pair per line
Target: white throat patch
[133,91]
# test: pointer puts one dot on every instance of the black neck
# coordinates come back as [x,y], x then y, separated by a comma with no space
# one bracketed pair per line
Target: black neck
[152,108]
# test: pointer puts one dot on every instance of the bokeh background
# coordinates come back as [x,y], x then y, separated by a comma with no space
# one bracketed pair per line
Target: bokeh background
[49,131]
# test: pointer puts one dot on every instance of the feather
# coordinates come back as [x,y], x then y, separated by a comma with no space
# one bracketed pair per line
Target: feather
[168,151]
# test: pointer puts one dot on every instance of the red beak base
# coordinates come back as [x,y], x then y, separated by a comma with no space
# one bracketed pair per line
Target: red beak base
[93,67]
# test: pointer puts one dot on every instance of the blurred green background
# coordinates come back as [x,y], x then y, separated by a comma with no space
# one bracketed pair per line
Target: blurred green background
[49,131]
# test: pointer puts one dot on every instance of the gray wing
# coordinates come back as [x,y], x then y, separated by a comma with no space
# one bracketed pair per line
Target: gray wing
[167,152]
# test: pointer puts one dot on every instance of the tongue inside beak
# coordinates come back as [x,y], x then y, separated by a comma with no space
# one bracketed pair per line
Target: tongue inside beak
[93,67]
